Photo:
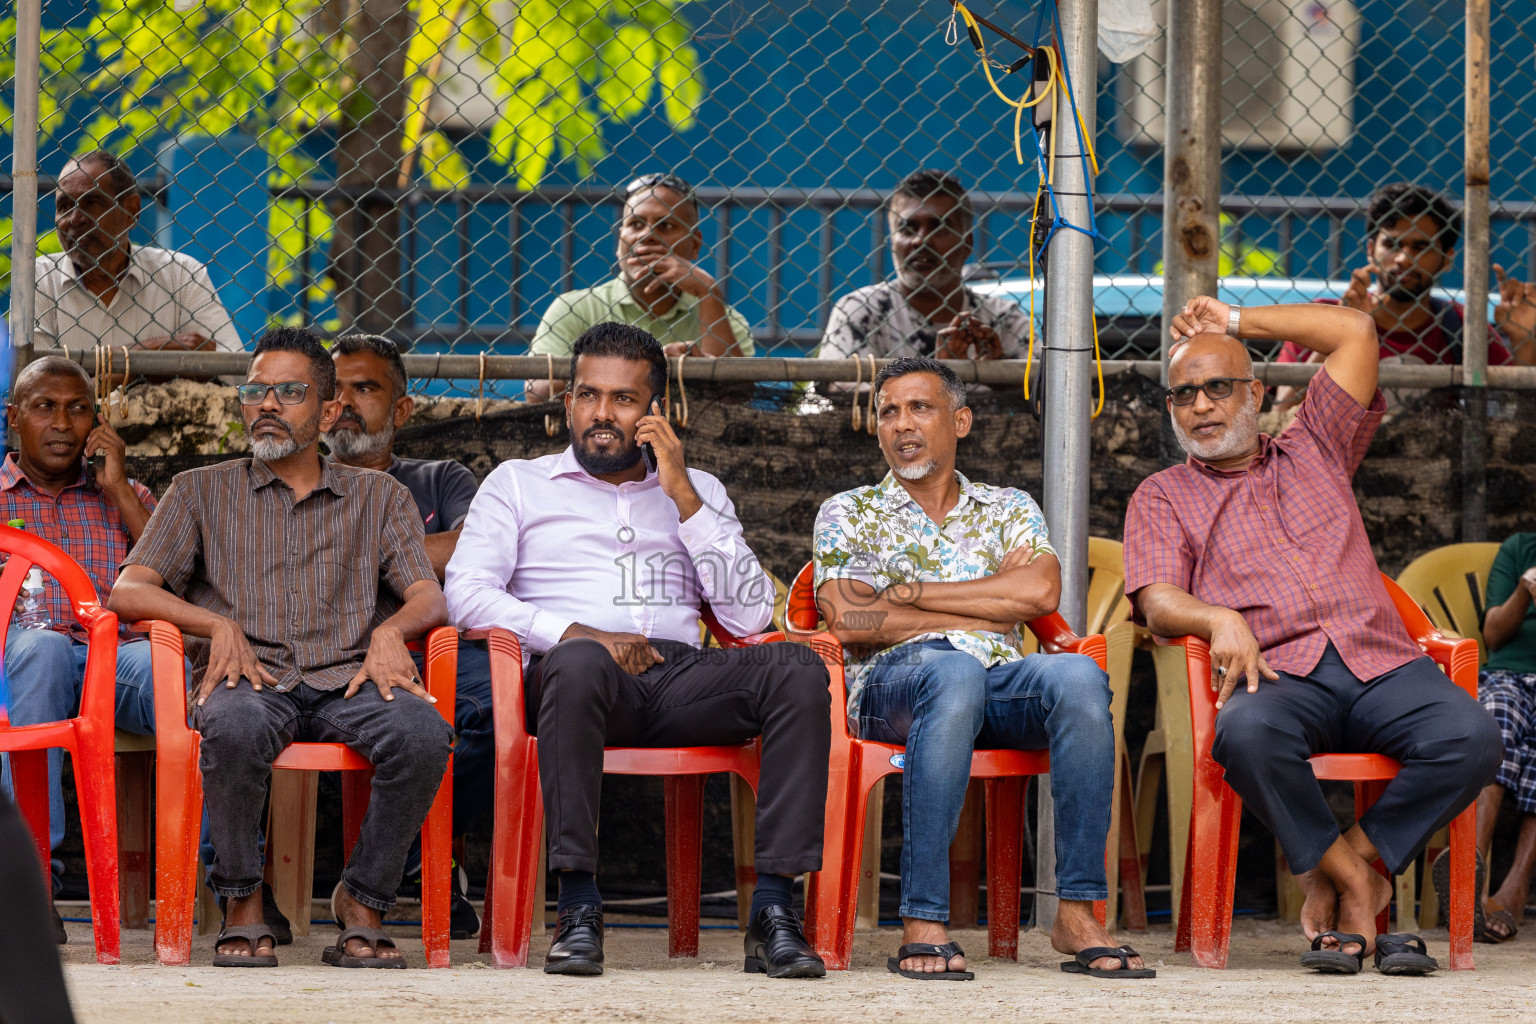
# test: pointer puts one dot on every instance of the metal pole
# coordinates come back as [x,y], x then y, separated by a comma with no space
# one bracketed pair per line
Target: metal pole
[1068,383]
[1191,158]
[1475,269]
[29,46]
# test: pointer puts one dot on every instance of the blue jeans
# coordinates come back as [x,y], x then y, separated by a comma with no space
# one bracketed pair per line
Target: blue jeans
[44,671]
[942,704]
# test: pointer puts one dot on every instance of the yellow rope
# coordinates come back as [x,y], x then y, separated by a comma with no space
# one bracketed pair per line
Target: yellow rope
[1019,105]
[858,378]
[682,392]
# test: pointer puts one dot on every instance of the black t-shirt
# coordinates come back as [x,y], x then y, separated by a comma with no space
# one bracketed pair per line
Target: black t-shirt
[442,488]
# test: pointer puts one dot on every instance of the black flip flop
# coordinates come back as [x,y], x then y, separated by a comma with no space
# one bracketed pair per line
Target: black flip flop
[252,933]
[1403,953]
[948,951]
[1335,961]
[337,955]
[1079,963]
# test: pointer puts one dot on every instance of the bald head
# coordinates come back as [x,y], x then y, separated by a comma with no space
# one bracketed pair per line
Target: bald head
[46,368]
[1205,356]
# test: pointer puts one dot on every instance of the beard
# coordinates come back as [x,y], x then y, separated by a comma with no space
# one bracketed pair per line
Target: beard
[1408,289]
[1240,436]
[599,463]
[916,472]
[271,449]
[359,444]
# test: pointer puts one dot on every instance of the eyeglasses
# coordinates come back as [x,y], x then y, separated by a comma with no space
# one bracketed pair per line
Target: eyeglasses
[670,181]
[289,392]
[1215,389]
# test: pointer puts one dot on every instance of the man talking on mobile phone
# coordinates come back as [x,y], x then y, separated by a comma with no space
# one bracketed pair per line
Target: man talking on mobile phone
[600,565]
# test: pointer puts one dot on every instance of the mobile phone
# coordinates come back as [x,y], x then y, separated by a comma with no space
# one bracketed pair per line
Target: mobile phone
[647,452]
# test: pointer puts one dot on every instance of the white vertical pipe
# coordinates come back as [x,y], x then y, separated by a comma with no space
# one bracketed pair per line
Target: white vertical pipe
[29,46]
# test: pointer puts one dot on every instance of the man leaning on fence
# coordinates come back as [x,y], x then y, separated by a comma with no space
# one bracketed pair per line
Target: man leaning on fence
[926,310]
[1256,545]
[375,402]
[277,567]
[600,564]
[927,576]
[95,513]
[661,286]
[105,290]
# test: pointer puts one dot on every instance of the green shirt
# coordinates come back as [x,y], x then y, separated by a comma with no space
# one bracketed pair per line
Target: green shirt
[572,313]
[1516,555]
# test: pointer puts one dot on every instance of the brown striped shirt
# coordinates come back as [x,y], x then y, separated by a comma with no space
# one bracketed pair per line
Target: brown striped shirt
[306,581]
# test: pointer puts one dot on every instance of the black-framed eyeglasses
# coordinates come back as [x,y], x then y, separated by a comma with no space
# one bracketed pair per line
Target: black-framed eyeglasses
[1215,389]
[665,180]
[289,392]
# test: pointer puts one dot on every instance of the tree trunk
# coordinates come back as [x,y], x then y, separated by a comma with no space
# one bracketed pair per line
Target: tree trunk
[365,252]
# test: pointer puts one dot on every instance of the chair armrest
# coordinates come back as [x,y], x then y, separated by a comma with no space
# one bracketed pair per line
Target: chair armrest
[1056,637]
[98,692]
[440,668]
[1457,657]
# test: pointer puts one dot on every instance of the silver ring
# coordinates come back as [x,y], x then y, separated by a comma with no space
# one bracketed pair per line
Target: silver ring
[1221,670]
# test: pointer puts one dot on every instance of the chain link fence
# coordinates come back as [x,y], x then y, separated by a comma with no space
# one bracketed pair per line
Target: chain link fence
[445,171]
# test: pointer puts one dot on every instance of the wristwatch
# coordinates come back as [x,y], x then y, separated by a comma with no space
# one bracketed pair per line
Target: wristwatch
[1234,316]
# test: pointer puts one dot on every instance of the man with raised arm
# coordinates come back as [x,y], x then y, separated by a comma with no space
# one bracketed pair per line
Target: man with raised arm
[926,577]
[599,563]
[1256,545]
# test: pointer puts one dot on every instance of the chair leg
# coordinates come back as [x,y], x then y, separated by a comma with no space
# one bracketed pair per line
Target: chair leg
[743,842]
[134,815]
[29,779]
[1212,868]
[1005,852]
[291,838]
[1464,894]
[96,787]
[832,893]
[436,867]
[685,850]
[518,837]
[178,822]
[1149,780]
[867,908]
[1133,904]
[964,860]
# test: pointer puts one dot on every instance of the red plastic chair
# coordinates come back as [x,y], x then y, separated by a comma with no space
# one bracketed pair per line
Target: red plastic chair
[514,882]
[88,738]
[856,765]
[1205,923]
[179,795]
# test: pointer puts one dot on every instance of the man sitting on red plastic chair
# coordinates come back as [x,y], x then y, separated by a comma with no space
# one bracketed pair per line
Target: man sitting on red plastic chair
[281,561]
[68,483]
[599,564]
[1256,545]
[927,576]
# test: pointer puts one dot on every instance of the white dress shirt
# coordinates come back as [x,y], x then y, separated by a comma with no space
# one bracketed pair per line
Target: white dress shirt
[162,293]
[547,545]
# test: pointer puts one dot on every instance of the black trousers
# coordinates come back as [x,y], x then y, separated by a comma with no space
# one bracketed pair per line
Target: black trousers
[579,701]
[1448,745]
[31,980]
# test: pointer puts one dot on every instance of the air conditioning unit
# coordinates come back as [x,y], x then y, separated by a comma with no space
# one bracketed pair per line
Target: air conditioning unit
[1287,76]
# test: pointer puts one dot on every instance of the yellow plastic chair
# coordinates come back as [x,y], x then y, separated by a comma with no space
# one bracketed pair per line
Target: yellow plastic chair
[1451,585]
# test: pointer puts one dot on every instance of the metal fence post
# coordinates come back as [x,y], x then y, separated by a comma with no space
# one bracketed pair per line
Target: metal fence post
[1475,270]
[1068,381]
[1191,158]
[29,46]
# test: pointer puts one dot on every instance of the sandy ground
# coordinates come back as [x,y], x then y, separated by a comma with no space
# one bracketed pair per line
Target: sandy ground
[1262,983]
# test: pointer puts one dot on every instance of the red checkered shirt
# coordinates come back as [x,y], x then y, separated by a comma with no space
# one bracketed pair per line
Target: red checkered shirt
[1281,542]
[79,519]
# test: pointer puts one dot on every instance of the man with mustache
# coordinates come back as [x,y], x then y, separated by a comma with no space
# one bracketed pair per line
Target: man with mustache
[276,567]
[599,564]
[1411,235]
[661,286]
[375,402]
[1256,545]
[926,577]
[927,310]
[104,290]
[95,514]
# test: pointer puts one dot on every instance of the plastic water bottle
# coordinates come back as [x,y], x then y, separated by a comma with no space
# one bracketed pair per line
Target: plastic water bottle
[32,608]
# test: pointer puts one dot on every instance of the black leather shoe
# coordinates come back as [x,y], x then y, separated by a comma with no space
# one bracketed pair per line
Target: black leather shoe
[578,944]
[776,946]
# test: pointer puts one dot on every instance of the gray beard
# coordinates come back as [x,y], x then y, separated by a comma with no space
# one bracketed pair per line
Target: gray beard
[267,449]
[1239,438]
[352,446]
[915,472]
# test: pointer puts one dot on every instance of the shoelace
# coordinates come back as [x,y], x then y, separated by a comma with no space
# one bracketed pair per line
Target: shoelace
[580,917]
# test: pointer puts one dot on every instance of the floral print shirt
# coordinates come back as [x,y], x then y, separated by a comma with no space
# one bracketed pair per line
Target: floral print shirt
[878,535]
